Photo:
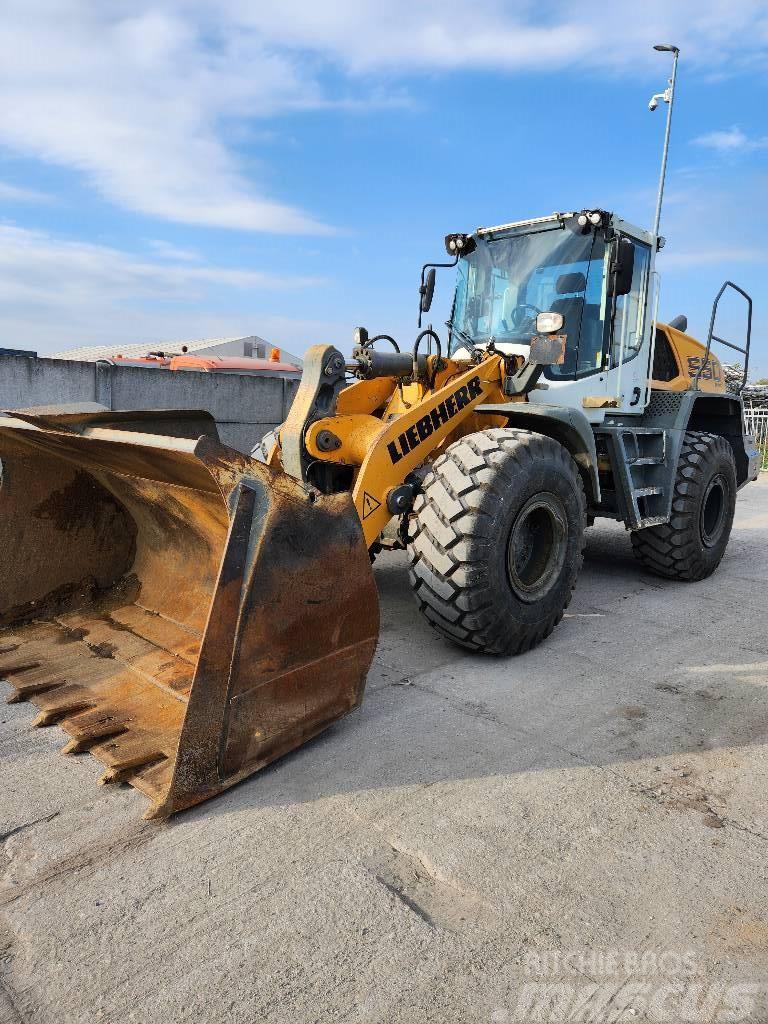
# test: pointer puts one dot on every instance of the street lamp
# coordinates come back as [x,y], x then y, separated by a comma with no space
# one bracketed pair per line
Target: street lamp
[668,97]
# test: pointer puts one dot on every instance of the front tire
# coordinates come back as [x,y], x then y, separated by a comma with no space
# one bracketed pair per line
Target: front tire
[691,545]
[497,540]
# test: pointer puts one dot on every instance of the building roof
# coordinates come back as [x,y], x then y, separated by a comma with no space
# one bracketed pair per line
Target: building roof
[92,353]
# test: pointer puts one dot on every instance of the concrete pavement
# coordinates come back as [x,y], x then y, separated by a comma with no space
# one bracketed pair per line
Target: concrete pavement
[576,834]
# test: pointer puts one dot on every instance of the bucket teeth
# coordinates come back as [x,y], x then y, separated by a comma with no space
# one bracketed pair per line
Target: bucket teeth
[80,744]
[97,734]
[124,755]
[121,772]
[17,668]
[92,727]
[23,691]
[46,718]
[60,702]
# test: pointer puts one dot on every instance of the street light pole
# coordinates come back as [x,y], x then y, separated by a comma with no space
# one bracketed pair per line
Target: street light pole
[668,96]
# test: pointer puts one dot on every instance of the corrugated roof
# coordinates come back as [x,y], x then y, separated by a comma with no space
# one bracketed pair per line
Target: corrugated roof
[90,353]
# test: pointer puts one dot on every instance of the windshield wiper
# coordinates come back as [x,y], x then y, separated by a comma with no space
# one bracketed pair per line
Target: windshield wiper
[461,333]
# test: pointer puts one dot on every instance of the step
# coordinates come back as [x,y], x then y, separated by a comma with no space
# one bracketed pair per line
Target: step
[652,521]
[645,431]
[647,460]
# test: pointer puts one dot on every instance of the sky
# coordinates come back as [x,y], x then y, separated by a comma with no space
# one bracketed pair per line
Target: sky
[204,168]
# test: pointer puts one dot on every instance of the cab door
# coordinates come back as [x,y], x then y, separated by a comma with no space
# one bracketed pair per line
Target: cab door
[606,367]
[629,334]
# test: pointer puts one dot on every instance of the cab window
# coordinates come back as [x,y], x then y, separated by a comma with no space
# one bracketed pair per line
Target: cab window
[631,310]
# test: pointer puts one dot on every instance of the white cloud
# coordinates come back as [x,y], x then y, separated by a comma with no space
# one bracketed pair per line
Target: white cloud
[511,35]
[684,259]
[16,194]
[142,97]
[168,251]
[135,101]
[36,265]
[55,293]
[709,224]
[731,140]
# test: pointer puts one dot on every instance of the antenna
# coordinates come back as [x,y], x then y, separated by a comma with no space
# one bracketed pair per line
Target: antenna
[668,97]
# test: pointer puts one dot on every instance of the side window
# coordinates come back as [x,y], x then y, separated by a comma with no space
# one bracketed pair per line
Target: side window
[593,320]
[499,301]
[629,322]
[577,292]
[664,363]
[483,286]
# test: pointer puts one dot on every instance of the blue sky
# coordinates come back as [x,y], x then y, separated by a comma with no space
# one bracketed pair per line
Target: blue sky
[193,168]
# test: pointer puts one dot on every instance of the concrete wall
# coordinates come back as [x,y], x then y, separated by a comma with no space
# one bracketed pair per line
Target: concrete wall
[244,407]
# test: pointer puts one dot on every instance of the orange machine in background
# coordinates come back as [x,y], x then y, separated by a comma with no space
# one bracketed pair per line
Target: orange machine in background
[209,364]
[151,359]
[229,364]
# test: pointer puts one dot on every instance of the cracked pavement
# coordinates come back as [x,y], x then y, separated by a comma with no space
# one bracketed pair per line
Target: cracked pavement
[600,800]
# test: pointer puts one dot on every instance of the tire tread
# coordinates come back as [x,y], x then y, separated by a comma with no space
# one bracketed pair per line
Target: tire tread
[446,572]
[669,550]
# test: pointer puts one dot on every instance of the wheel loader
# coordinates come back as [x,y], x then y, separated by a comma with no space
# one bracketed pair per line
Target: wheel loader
[188,613]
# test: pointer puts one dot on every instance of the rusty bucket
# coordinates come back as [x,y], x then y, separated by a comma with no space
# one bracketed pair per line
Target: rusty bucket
[184,613]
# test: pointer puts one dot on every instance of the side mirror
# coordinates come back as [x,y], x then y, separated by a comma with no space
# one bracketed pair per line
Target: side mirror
[623,267]
[427,290]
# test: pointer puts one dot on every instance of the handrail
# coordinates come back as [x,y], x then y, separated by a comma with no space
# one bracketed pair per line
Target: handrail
[654,323]
[711,336]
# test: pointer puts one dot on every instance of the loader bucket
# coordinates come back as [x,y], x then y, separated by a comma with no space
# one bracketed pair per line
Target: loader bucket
[184,613]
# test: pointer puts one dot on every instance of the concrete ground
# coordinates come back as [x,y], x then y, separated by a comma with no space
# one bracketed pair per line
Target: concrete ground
[576,834]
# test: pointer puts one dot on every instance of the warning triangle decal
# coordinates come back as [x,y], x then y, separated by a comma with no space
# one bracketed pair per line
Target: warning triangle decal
[370,504]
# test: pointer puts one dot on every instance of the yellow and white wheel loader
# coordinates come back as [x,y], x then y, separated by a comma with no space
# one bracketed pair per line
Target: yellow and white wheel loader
[188,614]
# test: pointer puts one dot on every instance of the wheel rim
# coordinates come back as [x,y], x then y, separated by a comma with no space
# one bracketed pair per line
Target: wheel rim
[536,547]
[714,507]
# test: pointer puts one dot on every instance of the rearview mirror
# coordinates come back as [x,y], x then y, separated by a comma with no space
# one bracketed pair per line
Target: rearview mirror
[427,290]
[623,267]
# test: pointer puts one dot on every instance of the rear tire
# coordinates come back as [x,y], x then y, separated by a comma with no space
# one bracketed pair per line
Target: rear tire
[497,540]
[691,545]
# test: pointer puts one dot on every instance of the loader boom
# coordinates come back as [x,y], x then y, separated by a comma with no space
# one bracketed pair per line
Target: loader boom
[413,423]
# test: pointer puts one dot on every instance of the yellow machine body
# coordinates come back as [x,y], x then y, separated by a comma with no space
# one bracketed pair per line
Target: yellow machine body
[387,429]
[412,423]
[690,357]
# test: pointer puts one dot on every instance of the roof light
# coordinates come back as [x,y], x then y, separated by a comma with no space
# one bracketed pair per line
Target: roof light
[459,244]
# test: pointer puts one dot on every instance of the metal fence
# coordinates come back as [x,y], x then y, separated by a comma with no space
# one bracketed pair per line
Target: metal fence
[757,425]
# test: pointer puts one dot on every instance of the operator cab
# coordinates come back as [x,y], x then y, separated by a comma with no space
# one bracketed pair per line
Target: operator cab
[591,269]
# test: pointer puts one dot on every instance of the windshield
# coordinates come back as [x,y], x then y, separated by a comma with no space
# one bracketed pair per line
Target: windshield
[506,281]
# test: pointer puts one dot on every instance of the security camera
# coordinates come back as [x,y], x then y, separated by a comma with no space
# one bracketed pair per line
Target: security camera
[666,96]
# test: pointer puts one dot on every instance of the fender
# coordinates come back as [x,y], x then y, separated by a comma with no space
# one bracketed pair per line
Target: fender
[568,426]
[721,414]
